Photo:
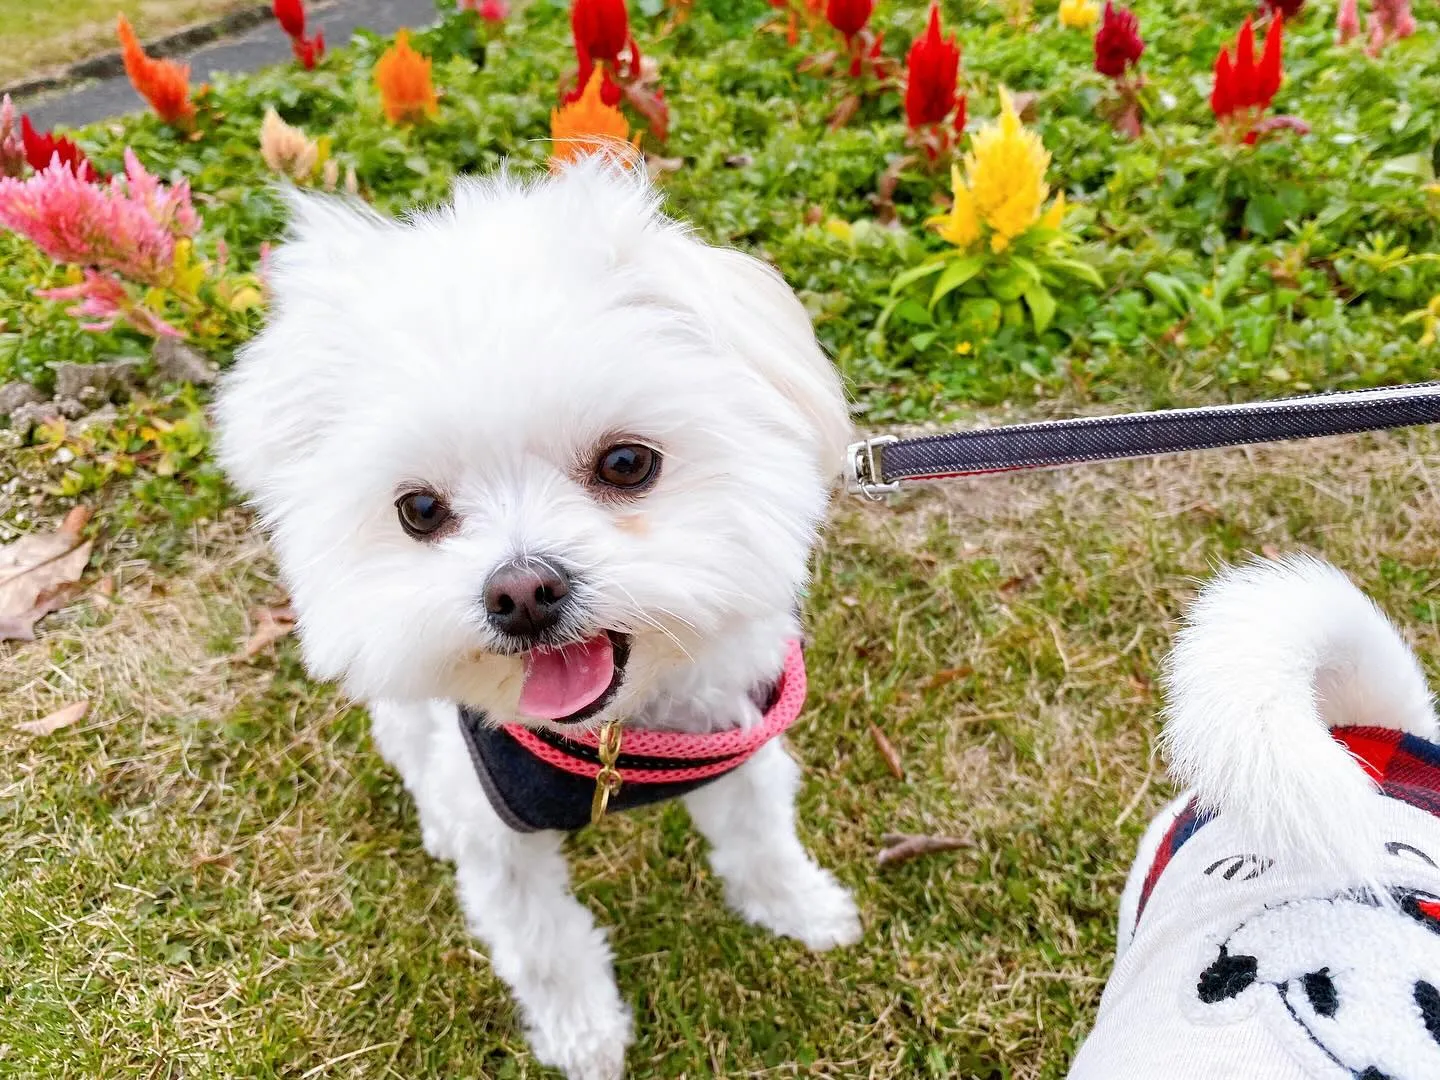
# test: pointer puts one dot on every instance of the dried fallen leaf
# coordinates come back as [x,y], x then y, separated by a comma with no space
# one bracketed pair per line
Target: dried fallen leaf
[60,718]
[902,847]
[270,625]
[1013,584]
[888,752]
[946,676]
[1270,551]
[656,167]
[844,112]
[104,594]
[1024,105]
[37,575]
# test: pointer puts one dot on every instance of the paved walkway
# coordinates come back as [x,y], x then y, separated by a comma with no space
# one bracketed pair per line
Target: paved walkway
[261,46]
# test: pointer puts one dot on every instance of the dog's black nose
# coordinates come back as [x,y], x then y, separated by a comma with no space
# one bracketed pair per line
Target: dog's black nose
[526,597]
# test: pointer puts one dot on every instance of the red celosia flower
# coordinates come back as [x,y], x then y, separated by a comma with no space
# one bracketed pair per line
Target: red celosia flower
[849,16]
[601,29]
[163,83]
[1285,8]
[931,71]
[1243,85]
[291,16]
[1117,42]
[41,149]
[309,51]
[610,93]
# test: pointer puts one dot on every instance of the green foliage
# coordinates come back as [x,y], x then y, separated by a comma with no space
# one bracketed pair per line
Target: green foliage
[965,295]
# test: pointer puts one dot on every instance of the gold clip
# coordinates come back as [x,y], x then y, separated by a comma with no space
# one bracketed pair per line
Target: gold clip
[607,780]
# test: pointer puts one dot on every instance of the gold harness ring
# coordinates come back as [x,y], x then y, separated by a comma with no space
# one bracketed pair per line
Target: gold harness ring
[607,780]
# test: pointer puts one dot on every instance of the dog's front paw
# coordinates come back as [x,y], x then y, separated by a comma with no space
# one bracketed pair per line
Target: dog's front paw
[808,905]
[585,1043]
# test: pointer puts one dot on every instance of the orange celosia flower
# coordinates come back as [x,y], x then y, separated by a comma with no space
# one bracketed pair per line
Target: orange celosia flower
[586,124]
[403,76]
[163,83]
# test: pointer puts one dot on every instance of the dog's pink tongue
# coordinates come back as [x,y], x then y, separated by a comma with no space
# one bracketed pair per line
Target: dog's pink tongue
[561,682]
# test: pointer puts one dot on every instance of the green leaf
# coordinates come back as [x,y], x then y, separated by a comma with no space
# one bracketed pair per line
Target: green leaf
[1264,215]
[914,274]
[1026,267]
[978,319]
[1209,310]
[1077,269]
[1169,290]
[1042,306]
[1237,269]
[1007,283]
[956,274]
[912,311]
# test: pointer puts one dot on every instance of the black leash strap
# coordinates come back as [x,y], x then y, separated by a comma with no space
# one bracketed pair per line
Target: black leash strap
[880,465]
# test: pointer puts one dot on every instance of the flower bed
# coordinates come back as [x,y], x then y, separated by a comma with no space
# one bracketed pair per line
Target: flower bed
[1201,257]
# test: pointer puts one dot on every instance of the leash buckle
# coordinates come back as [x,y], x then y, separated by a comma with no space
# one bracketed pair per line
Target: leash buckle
[607,780]
[862,468]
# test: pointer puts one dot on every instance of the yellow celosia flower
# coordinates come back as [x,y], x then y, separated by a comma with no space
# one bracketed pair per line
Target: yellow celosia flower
[1054,217]
[960,226]
[1431,322]
[1005,174]
[587,124]
[286,149]
[1079,14]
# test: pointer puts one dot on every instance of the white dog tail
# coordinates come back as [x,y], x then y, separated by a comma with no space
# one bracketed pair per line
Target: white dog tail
[1272,656]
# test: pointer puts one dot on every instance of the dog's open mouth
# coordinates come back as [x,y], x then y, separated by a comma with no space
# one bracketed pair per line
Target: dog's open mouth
[574,682]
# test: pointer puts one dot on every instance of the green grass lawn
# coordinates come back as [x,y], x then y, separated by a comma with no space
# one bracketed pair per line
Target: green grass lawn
[39,36]
[215,875]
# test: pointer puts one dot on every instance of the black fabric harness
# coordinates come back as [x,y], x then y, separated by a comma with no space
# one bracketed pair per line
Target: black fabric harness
[530,794]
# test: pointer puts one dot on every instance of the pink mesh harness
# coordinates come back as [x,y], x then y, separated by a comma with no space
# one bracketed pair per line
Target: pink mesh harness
[715,753]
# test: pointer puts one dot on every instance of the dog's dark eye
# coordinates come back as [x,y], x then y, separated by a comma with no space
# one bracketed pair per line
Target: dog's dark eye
[631,466]
[421,513]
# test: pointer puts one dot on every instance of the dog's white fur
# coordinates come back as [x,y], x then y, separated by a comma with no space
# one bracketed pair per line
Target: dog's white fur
[1272,656]
[490,349]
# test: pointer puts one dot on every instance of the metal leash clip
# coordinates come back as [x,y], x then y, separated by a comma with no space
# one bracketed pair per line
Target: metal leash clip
[862,468]
[607,780]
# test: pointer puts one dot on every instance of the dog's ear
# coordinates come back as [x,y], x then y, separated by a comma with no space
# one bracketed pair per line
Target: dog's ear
[752,311]
[272,401]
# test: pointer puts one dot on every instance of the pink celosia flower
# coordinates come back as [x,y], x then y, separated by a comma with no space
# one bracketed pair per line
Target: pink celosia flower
[126,229]
[12,148]
[129,226]
[1388,21]
[1347,23]
[489,10]
[105,301]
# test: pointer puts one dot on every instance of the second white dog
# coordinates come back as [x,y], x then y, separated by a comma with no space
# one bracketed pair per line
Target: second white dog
[544,455]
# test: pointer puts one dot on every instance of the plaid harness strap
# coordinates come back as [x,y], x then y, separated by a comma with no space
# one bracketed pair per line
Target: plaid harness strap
[1406,767]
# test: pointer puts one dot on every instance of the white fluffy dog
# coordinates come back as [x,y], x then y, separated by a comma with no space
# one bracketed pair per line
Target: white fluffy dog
[544,455]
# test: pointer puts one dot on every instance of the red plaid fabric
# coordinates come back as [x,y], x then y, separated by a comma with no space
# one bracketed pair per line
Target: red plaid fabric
[1406,767]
